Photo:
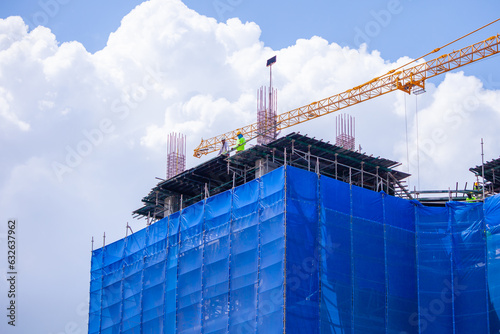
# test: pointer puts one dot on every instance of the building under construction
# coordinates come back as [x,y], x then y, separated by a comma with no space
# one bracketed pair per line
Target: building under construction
[298,235]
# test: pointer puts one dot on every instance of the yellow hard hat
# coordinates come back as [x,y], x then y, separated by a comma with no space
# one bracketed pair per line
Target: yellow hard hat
[238,133]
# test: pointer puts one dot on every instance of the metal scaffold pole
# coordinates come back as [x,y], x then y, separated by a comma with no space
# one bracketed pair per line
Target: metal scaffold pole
[284,246]
[482,166]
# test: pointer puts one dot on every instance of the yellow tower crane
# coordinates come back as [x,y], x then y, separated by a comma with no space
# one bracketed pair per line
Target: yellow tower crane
[405,79]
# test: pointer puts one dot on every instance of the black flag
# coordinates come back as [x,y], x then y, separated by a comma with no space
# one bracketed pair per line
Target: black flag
[271,61]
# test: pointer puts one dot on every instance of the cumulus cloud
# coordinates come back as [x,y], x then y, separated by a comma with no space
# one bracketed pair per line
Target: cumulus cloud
[85,133]
[451,122]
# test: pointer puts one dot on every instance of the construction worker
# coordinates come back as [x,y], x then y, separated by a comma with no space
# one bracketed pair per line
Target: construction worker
[241,142]
[224,150]
[470,198]
[476,186]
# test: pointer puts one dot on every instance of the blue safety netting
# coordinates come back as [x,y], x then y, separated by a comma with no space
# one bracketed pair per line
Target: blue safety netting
[303,253]
[492,222]
[215,267]
[366,260]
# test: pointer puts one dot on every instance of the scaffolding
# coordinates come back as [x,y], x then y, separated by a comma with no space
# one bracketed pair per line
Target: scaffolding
[489,173]
[223,173]
[176,154]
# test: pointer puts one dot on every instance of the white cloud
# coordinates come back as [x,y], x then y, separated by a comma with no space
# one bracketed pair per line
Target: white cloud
[7,114]
[458,113]
[105,116]
[12,29]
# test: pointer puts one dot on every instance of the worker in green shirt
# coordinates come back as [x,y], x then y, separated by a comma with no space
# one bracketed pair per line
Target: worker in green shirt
[241,142]
[470,198]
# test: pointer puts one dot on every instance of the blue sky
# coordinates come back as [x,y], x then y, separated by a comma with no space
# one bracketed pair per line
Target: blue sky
[396,28]
[101,107]
[412,27]
[88,22]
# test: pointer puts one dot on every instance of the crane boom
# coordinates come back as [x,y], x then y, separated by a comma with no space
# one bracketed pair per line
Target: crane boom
[404,79]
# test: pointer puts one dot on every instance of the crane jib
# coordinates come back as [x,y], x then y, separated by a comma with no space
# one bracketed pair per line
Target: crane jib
[408,80]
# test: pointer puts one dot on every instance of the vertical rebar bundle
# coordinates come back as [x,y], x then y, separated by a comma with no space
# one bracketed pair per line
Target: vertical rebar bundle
[266,115]
[176,154]
[345,132]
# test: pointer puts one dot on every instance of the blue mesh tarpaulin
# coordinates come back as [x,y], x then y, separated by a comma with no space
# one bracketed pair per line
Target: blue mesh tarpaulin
[215,267]
[300,253]
[367,261]
[302,302]
[492,222]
